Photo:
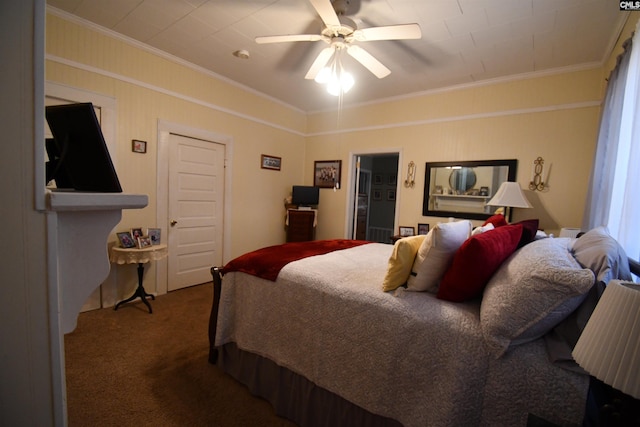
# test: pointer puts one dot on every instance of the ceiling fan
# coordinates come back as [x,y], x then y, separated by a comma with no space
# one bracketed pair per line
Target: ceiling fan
[341,32]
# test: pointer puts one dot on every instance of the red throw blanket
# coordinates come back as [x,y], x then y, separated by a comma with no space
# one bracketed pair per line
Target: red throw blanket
[267,262]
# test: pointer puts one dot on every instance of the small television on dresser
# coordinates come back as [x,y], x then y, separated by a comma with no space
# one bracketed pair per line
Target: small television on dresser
[305,196]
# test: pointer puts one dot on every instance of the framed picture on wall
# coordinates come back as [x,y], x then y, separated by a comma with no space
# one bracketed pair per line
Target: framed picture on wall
[377,194]
[270,162]
[377,179]
[138,146]
[326,173]
[391,195]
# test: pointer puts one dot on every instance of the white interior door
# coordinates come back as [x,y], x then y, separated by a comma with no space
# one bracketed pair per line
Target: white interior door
[196,186]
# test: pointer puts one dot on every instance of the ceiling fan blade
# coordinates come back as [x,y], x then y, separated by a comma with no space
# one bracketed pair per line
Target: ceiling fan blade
[321,60]
[366,59]
[391,32]
[326,12]
[289,38]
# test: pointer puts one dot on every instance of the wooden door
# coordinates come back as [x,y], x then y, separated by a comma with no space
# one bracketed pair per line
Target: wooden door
[196,185]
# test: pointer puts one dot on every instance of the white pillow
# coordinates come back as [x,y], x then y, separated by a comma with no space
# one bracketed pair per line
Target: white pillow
[601,253]
[482,229]
[436,253]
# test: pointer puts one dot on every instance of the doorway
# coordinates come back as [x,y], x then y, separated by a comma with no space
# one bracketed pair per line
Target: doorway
[373,198]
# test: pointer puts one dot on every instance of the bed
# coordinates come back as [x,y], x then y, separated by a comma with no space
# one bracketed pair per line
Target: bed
[355,333]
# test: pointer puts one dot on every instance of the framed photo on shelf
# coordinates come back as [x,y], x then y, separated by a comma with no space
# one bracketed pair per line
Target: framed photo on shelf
[125,239]
[136,232]
[144,242]
[154,235]
[270,162]
[423,229]
[407,231]
[326,173]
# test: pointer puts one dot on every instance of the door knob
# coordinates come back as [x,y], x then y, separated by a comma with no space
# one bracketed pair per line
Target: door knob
[173,222]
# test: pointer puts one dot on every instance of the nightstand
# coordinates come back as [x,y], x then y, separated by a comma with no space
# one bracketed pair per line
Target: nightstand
[301,224]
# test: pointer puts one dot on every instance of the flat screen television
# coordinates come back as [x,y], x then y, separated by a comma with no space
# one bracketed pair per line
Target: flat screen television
[78,155]
[302,195]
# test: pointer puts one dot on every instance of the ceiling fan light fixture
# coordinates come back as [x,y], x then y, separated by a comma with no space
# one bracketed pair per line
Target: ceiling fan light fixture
[323,76]
[338,80]
[333,87]
[346,81]
[340,32]
[340,83]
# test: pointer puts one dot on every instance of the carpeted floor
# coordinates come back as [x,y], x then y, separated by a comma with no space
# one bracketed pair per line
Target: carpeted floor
[132,368]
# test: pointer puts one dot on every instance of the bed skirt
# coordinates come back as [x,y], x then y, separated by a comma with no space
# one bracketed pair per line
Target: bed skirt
[293,396]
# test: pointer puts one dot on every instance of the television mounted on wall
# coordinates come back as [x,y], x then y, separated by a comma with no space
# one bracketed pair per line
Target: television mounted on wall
[78,155]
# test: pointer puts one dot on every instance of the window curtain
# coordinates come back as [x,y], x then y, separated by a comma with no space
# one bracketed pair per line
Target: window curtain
[604,165]
[613,198]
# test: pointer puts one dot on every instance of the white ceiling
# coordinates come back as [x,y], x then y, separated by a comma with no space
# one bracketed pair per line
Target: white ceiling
[463,41]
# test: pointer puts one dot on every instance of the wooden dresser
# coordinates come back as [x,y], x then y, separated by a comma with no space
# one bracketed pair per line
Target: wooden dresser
[301,225]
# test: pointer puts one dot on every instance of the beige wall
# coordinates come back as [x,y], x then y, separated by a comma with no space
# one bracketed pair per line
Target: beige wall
[552,115]
[27,347]
[148,88]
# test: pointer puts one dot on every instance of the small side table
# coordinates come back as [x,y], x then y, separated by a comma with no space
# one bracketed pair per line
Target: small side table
[141,257]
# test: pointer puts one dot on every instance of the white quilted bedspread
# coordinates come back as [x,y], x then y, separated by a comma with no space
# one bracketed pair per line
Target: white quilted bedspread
[404,355]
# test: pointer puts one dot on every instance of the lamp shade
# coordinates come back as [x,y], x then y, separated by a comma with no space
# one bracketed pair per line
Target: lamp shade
[609,347]
[509,195]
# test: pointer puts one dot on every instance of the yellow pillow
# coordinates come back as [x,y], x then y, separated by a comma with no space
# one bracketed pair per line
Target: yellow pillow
[401,261]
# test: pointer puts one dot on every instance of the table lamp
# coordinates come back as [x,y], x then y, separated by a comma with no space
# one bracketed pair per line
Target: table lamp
[609,348]
[509,195]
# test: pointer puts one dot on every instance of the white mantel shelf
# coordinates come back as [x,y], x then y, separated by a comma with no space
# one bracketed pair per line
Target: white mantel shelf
[78,227]
[82,201]
[460,203]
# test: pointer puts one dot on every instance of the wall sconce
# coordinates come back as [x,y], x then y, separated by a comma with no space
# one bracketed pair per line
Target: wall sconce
[537,181]
[411,175]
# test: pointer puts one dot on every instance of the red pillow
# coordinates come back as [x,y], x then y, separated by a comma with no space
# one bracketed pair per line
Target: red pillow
[476,261]
[497,220]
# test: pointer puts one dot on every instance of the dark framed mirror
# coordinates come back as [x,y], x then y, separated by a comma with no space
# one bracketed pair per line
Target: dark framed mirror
[462,189]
